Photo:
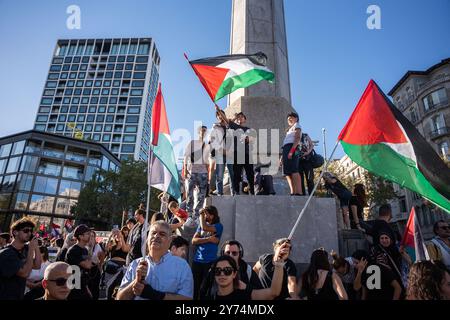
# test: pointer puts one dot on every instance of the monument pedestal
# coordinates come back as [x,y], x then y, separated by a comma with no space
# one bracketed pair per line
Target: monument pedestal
[257,221]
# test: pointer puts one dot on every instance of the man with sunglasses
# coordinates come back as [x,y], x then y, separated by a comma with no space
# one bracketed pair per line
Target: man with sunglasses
[55,281]
[18,259]
[247,275]
[439,247]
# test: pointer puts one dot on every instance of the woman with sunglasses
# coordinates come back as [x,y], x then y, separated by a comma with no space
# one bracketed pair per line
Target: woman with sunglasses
[226,280]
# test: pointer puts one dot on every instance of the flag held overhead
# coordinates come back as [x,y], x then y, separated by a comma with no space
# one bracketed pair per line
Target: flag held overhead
[224,74]
[379,138]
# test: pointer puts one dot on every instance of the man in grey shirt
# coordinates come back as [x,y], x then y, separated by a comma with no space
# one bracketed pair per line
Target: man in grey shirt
[195,172]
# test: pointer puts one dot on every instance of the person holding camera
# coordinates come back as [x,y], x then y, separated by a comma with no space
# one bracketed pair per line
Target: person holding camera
[305,166]
[18,259]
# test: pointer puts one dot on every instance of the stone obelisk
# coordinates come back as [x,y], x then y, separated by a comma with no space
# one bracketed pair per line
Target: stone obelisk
[258,25]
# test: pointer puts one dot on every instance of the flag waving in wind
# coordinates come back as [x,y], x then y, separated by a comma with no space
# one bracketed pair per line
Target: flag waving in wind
[224,74]
[163,172]
[413,240]
[380,139]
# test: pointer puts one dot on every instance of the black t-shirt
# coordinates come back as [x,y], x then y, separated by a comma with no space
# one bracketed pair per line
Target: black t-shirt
[135,241]
[267,270]
[338,189]
[359,210]
[237,139]
[75,255]
[253,281]
[12,287]
[386,291]
[61,255]
[237,294]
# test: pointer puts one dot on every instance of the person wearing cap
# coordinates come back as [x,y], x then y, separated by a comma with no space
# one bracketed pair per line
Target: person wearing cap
[291,154]
[78,255]
[265,267]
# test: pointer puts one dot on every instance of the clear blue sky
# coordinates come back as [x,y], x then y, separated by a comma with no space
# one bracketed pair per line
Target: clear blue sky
[332,54]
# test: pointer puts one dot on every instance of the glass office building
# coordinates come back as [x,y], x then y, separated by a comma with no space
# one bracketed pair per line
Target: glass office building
[41,174]
[103,89]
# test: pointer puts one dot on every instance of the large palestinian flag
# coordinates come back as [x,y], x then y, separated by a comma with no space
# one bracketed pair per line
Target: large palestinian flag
[380,139]
[224,74]
[163,173]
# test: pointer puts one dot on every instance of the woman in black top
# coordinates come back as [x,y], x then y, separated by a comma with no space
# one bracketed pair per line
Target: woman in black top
[344,195]
[357,204]
[387,254]
[226,280]
[319,282]
[114,248]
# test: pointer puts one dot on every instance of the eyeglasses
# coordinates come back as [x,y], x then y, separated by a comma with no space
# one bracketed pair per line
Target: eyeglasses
[226,271]
[60,281]
[27,230]
[232,253]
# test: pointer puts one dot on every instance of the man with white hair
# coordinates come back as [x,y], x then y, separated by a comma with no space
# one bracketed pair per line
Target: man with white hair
[160,275]
[55,281]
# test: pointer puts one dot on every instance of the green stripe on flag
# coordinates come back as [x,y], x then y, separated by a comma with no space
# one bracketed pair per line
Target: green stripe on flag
[243,80]
[383,161]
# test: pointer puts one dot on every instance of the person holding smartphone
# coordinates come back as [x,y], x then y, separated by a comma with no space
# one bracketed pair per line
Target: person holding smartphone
[18,259]
[266,265]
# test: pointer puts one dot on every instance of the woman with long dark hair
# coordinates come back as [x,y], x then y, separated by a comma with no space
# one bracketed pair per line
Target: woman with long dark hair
[319,282]
[225,285]
[357,204]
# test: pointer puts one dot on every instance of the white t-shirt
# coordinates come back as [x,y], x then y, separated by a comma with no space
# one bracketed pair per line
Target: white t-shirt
[37,274]
[290,134]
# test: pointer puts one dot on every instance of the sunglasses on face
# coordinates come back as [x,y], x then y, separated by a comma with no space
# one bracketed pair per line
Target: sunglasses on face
[27,230]
[232,253]
[60,281]
[226,271]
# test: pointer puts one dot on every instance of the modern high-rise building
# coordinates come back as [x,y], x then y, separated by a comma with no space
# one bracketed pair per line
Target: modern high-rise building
[102,90]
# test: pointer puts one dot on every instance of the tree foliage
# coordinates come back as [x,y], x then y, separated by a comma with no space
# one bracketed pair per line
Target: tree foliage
[108,194]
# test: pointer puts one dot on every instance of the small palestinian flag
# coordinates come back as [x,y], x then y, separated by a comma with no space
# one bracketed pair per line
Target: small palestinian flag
[380,139]
[412,239]
[224,74]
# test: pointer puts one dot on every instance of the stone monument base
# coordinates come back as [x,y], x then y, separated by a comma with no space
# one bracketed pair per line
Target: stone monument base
[256,221]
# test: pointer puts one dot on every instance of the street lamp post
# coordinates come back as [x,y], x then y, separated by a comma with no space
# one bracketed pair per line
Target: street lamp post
[324,143]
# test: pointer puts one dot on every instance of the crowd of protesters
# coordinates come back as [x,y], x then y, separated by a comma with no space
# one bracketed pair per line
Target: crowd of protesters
[176,255]
[116,268]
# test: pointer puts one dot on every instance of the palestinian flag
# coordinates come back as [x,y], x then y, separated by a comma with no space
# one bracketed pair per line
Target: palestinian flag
[163,173]
[224,74]
[413,240]
[380,139]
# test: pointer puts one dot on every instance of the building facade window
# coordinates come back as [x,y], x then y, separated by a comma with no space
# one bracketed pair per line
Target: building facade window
[435,98]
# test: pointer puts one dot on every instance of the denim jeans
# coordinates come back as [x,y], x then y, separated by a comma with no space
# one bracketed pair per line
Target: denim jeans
[199,180]
[220,169]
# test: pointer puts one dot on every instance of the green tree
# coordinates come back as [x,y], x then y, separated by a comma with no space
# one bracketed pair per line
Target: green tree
[109,194]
